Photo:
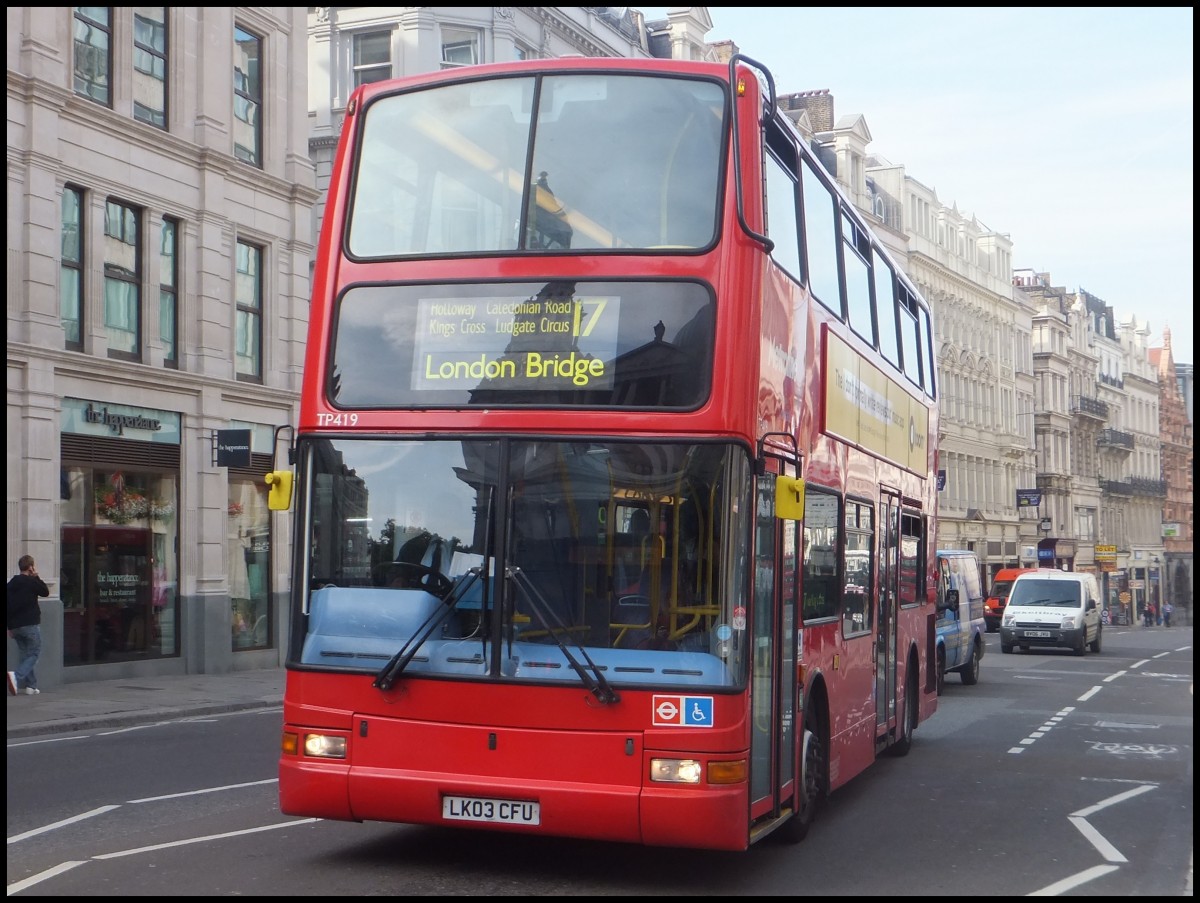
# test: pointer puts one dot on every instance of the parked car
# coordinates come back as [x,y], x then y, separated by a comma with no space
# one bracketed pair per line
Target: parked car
[960,624]
[1051,608]
[993,604]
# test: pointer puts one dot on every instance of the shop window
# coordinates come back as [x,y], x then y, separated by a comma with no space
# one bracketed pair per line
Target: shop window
[248,563]
[119,574]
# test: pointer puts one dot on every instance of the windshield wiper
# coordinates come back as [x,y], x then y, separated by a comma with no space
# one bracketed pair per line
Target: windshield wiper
[593,679]
[391,672]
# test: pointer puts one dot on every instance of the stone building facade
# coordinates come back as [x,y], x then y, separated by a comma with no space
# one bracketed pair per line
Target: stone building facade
[160,200]
[1177,467]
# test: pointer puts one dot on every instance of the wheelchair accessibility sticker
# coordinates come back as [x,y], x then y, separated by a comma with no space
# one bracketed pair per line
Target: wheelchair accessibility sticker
[683,711]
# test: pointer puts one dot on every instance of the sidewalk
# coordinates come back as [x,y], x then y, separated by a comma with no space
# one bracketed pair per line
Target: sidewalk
[141,700]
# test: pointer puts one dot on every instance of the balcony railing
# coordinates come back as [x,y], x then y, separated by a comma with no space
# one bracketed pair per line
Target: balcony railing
[1135,486]
[1111,438]
[1089,407]
[1144,486]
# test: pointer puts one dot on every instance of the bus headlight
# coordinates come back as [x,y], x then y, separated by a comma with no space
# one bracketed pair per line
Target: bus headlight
[675,771]
[689,771]
[324,746]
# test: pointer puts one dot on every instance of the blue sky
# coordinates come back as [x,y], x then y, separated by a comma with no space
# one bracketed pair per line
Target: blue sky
[1068,129]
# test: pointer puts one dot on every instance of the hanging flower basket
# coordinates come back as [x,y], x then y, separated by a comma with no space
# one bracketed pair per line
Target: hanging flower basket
[236,509]
[119,505]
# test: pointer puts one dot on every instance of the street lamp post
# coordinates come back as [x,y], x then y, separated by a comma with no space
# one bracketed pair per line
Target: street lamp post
[1154,590]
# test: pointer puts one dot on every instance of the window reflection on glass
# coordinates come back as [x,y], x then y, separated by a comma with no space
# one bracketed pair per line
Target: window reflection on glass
[119,575]
[821,592]
[477,167]
[638,553]
[248,563]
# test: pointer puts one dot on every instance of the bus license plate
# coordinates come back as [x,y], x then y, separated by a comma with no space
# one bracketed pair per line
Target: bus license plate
[1044,634]
[505,812]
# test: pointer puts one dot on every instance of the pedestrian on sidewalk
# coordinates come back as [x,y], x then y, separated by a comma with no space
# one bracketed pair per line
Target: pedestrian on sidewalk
[25,624]
[1168,609]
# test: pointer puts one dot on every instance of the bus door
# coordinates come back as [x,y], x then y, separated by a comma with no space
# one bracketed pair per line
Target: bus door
[885,626]
[774,703]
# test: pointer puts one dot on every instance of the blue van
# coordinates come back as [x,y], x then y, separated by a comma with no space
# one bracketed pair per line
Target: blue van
[960,622]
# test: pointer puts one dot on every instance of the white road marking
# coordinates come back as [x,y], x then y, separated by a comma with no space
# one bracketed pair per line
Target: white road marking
[59,869]
[183,843]
[17,886]
[173,796]
[1066,884]
[61,824]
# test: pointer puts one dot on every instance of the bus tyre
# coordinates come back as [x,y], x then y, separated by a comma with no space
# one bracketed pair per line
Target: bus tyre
[812,783]
[970,671]
[907,721]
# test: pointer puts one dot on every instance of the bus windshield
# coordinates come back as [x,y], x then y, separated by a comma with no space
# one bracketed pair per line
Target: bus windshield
[497,557]
[528,164]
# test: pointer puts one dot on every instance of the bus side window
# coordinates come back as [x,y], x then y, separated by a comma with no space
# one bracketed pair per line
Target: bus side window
[822,516]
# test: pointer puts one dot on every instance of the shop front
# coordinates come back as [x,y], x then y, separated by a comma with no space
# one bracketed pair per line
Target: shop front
[1056,553]
[118,533]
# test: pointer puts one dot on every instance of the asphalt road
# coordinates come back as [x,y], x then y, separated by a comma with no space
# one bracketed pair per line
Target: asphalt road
[1054,775]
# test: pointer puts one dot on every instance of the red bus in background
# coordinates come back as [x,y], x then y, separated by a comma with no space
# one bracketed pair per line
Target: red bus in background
[614,477]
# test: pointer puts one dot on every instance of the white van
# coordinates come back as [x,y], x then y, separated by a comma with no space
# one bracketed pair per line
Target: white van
[1052,608]
[960,622]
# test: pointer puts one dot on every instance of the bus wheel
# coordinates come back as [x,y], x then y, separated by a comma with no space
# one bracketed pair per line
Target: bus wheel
[812,793]
[907,721]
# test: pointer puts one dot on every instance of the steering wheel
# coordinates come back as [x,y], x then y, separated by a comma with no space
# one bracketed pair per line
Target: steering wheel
[427,578]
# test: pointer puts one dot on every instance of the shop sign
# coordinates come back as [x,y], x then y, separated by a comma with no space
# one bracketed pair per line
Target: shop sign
[1029,498]
[233,448]
[95,418]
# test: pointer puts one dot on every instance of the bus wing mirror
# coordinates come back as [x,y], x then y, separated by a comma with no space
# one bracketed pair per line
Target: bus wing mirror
[789,498]
[279,496]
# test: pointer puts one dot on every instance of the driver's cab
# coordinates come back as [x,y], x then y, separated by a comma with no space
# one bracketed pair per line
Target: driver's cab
[420,559]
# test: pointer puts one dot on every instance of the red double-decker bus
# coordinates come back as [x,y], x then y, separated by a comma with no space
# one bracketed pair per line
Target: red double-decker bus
[614,476]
